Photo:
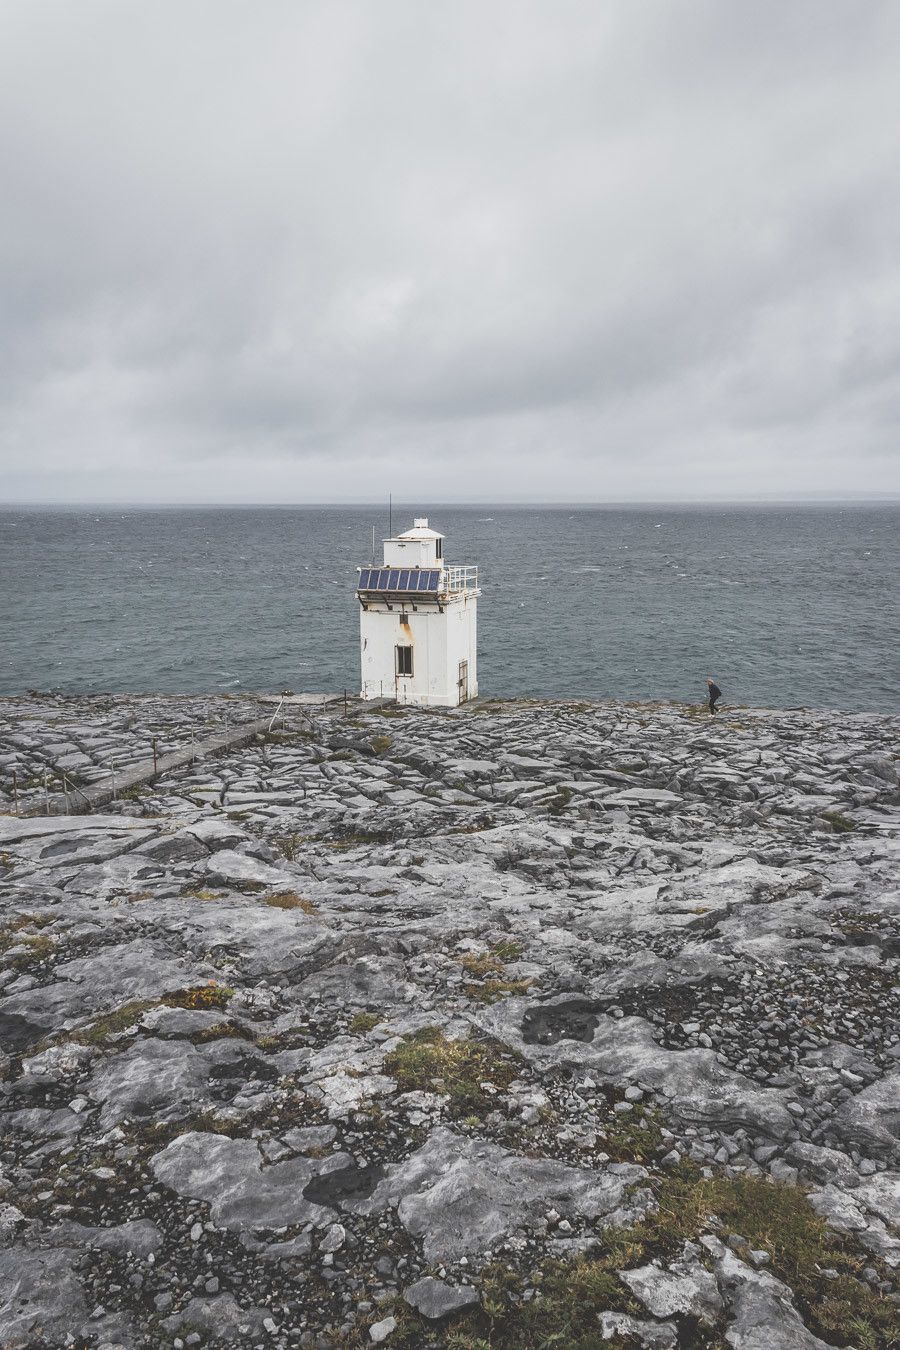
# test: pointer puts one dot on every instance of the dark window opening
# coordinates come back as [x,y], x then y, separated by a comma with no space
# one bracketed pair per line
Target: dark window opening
[404,660]
[439,548]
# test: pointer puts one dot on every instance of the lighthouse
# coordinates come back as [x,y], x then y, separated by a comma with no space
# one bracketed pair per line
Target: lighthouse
[417,623]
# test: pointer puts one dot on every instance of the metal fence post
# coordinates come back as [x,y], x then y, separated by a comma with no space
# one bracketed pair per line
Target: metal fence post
[154,756]
[46,797]
[15,793]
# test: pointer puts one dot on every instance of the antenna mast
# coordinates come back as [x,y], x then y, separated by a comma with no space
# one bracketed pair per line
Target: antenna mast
[390,516]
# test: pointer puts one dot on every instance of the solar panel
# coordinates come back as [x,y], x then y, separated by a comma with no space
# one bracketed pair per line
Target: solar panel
[395,579]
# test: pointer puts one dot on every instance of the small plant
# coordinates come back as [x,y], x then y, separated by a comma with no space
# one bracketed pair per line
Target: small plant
[839,824]
[380,745]
[481,964]
[200,893]
[221,1031]
[362,1022]
[633,1136]
[288,844]
[112,1023]
[507,950]
[489,991]
[200,996]
[14,935]
[267,1042]
[488,968]
[290,900]
[428,1062]
[357,838]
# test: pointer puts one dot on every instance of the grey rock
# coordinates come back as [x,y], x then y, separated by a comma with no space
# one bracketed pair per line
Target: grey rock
[159,1079]
[242,1194]
[138,1237]
[435,1299]
[40,1297]
[685,1287]
[460,1196]
[651,1335]
[761,1310]
[870,1121]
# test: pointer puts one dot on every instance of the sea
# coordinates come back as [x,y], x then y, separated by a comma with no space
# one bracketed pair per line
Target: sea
[784,605]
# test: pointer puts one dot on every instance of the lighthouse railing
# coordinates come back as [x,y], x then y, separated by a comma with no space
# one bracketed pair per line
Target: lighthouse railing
[460,579]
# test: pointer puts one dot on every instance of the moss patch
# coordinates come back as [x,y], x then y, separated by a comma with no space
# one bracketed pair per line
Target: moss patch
[200,893]
[362,1022]
[428,1062]
[290,900]
[488,969]
[14,933]
[635,1136]
[507,950]
[489,991]
[481,964]
[204,996]
[839,824]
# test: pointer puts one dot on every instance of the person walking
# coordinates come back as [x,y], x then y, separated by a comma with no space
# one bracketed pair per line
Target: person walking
[715,693]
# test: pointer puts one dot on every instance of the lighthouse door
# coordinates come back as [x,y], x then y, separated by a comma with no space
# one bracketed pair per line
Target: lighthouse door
[463,681]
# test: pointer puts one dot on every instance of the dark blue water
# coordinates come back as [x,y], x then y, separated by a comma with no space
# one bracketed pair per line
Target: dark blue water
[784,605]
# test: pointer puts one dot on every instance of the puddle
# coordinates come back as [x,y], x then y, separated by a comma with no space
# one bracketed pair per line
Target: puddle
[17,1033]
[574,1020]
[344,1183]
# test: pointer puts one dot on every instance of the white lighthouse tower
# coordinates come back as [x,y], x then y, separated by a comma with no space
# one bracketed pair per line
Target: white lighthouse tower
[417,623]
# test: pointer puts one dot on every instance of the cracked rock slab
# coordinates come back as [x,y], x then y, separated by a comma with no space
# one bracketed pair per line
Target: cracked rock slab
[460,1196]
[242,1194]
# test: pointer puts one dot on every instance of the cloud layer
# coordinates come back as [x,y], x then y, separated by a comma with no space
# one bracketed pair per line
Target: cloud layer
[320,251]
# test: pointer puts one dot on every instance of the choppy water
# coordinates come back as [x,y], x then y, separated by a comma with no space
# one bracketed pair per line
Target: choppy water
[784,605]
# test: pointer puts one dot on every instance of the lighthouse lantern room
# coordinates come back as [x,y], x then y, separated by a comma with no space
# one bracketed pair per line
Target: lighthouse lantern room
[417,623]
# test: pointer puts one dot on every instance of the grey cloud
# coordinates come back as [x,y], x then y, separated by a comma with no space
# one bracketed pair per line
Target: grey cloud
[257,252]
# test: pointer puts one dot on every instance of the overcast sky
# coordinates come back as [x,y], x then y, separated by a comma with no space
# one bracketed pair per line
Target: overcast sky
[282,250]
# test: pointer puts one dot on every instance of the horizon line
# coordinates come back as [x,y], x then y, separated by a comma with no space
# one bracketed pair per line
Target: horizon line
[800,499]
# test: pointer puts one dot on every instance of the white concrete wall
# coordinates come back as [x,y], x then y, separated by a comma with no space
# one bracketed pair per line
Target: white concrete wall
[461,618]
[410,553]
[439,642]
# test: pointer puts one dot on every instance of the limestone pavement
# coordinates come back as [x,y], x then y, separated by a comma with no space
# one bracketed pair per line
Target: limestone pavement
[302,1044]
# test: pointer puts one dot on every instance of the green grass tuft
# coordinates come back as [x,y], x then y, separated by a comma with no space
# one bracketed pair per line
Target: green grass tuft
[428,1062]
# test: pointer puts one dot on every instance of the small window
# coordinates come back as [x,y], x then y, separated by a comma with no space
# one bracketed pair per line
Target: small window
[439,548]
[404,660]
